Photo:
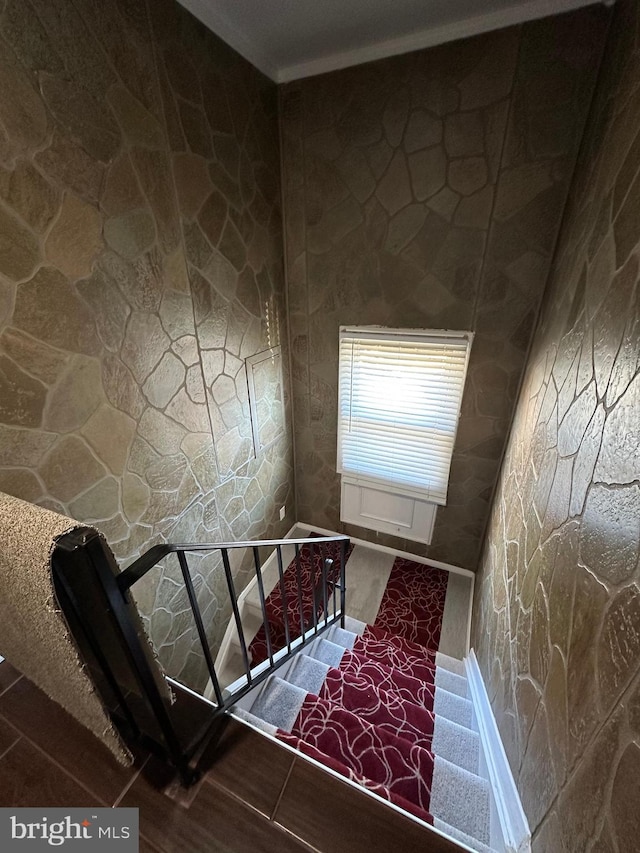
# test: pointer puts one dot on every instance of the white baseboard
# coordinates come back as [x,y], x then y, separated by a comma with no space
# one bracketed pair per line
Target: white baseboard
[437,564]
[512,820]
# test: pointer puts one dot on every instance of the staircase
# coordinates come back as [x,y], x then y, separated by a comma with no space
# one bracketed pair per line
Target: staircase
[389,714]
[376,704]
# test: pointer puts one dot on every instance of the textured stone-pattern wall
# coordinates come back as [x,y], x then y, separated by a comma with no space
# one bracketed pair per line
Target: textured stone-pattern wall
[426,191]
[122,330]
[557,625]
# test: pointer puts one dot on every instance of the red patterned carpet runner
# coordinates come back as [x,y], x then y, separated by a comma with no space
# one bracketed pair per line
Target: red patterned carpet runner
[379,707]
[404,768]
[372,720]
[413,602]
[340,768]
[311,558]
[392,653]
[374,724]
[382,677]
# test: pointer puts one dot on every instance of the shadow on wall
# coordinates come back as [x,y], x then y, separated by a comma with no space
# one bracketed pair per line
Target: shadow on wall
[141,265]
[558,599]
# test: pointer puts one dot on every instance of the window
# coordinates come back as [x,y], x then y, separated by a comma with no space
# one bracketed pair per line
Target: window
[399,402]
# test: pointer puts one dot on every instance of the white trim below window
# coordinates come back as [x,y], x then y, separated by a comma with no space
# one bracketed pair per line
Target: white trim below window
[383,509]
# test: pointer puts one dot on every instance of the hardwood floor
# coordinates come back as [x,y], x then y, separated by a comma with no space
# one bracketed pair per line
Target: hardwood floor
[258,797]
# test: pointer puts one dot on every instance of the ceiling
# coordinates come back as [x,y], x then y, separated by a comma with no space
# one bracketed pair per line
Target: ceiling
[290,39]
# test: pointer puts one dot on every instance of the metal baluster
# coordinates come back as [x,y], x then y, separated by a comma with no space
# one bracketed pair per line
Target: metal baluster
[263,606]
[236,612]
[343,578]
[312,577]
[283,593]
[299,584]
[327,563]
[202,634]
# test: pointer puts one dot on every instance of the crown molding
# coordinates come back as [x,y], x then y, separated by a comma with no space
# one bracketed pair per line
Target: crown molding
[431,36]
[513,15]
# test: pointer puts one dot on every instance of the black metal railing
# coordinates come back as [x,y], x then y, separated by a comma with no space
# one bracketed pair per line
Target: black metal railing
[96,599]
[325,582]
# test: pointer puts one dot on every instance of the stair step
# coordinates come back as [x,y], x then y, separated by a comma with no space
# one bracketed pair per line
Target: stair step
[332,763]
[325,651]
[233,669]
[355,625]
[452,664]
[384,710]
[370,751]
[456,793]
[251,624]
[252,609]
[254,721]
[392,680]
[270,579]
[473,843]
[377,650]
[453,683]
[408,647]
[278,703]
[339,767]
[453,707]
[380,707]
[461,799]
[341,637]
[395,656]
[456,744]
[308,673]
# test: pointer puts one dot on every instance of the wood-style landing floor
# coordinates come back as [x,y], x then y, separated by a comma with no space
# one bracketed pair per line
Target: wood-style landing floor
[257,798]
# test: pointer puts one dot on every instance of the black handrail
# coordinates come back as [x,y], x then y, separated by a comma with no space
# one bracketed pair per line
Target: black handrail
[105,618]
[148,560]
[117,645]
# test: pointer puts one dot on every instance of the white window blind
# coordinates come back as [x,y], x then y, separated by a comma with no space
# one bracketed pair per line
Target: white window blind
[400,393]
